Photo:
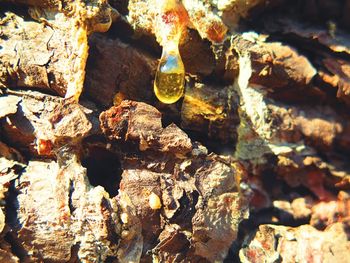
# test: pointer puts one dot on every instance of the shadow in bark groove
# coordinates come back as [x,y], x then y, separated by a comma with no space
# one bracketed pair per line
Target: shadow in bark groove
[103,168]
[12,220]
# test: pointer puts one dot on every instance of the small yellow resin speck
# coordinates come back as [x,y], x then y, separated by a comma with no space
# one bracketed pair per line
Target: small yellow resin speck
[154,201]
[169,83]
[124,217]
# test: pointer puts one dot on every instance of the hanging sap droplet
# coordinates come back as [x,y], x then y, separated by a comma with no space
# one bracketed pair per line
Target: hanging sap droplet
[169,83]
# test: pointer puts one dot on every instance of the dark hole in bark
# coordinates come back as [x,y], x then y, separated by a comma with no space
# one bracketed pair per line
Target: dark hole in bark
[70,203]
[185,213]
[111,259]
[103,168]
[120,5]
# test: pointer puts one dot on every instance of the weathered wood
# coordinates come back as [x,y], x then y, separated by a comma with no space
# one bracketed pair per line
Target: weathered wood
[86,181]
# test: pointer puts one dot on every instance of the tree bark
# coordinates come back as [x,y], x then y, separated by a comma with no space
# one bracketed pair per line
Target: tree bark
[251,165]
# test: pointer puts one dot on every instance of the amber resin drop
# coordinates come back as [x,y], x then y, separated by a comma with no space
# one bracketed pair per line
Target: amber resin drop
[169,83]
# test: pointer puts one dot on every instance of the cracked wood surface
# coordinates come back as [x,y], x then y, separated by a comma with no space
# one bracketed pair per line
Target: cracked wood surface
[263,127]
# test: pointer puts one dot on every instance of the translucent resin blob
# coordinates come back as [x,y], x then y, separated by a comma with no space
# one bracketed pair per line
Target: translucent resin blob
[169,83]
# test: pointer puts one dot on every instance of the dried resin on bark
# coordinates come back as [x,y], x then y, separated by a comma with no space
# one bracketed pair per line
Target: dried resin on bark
[169,83]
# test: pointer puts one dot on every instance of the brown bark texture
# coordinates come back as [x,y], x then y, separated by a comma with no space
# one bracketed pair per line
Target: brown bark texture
[250,165]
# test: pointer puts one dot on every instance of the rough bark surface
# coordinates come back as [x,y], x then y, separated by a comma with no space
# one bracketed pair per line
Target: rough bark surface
[251,165]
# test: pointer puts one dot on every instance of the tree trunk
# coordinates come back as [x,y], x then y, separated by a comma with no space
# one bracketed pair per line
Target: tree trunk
[250,165]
